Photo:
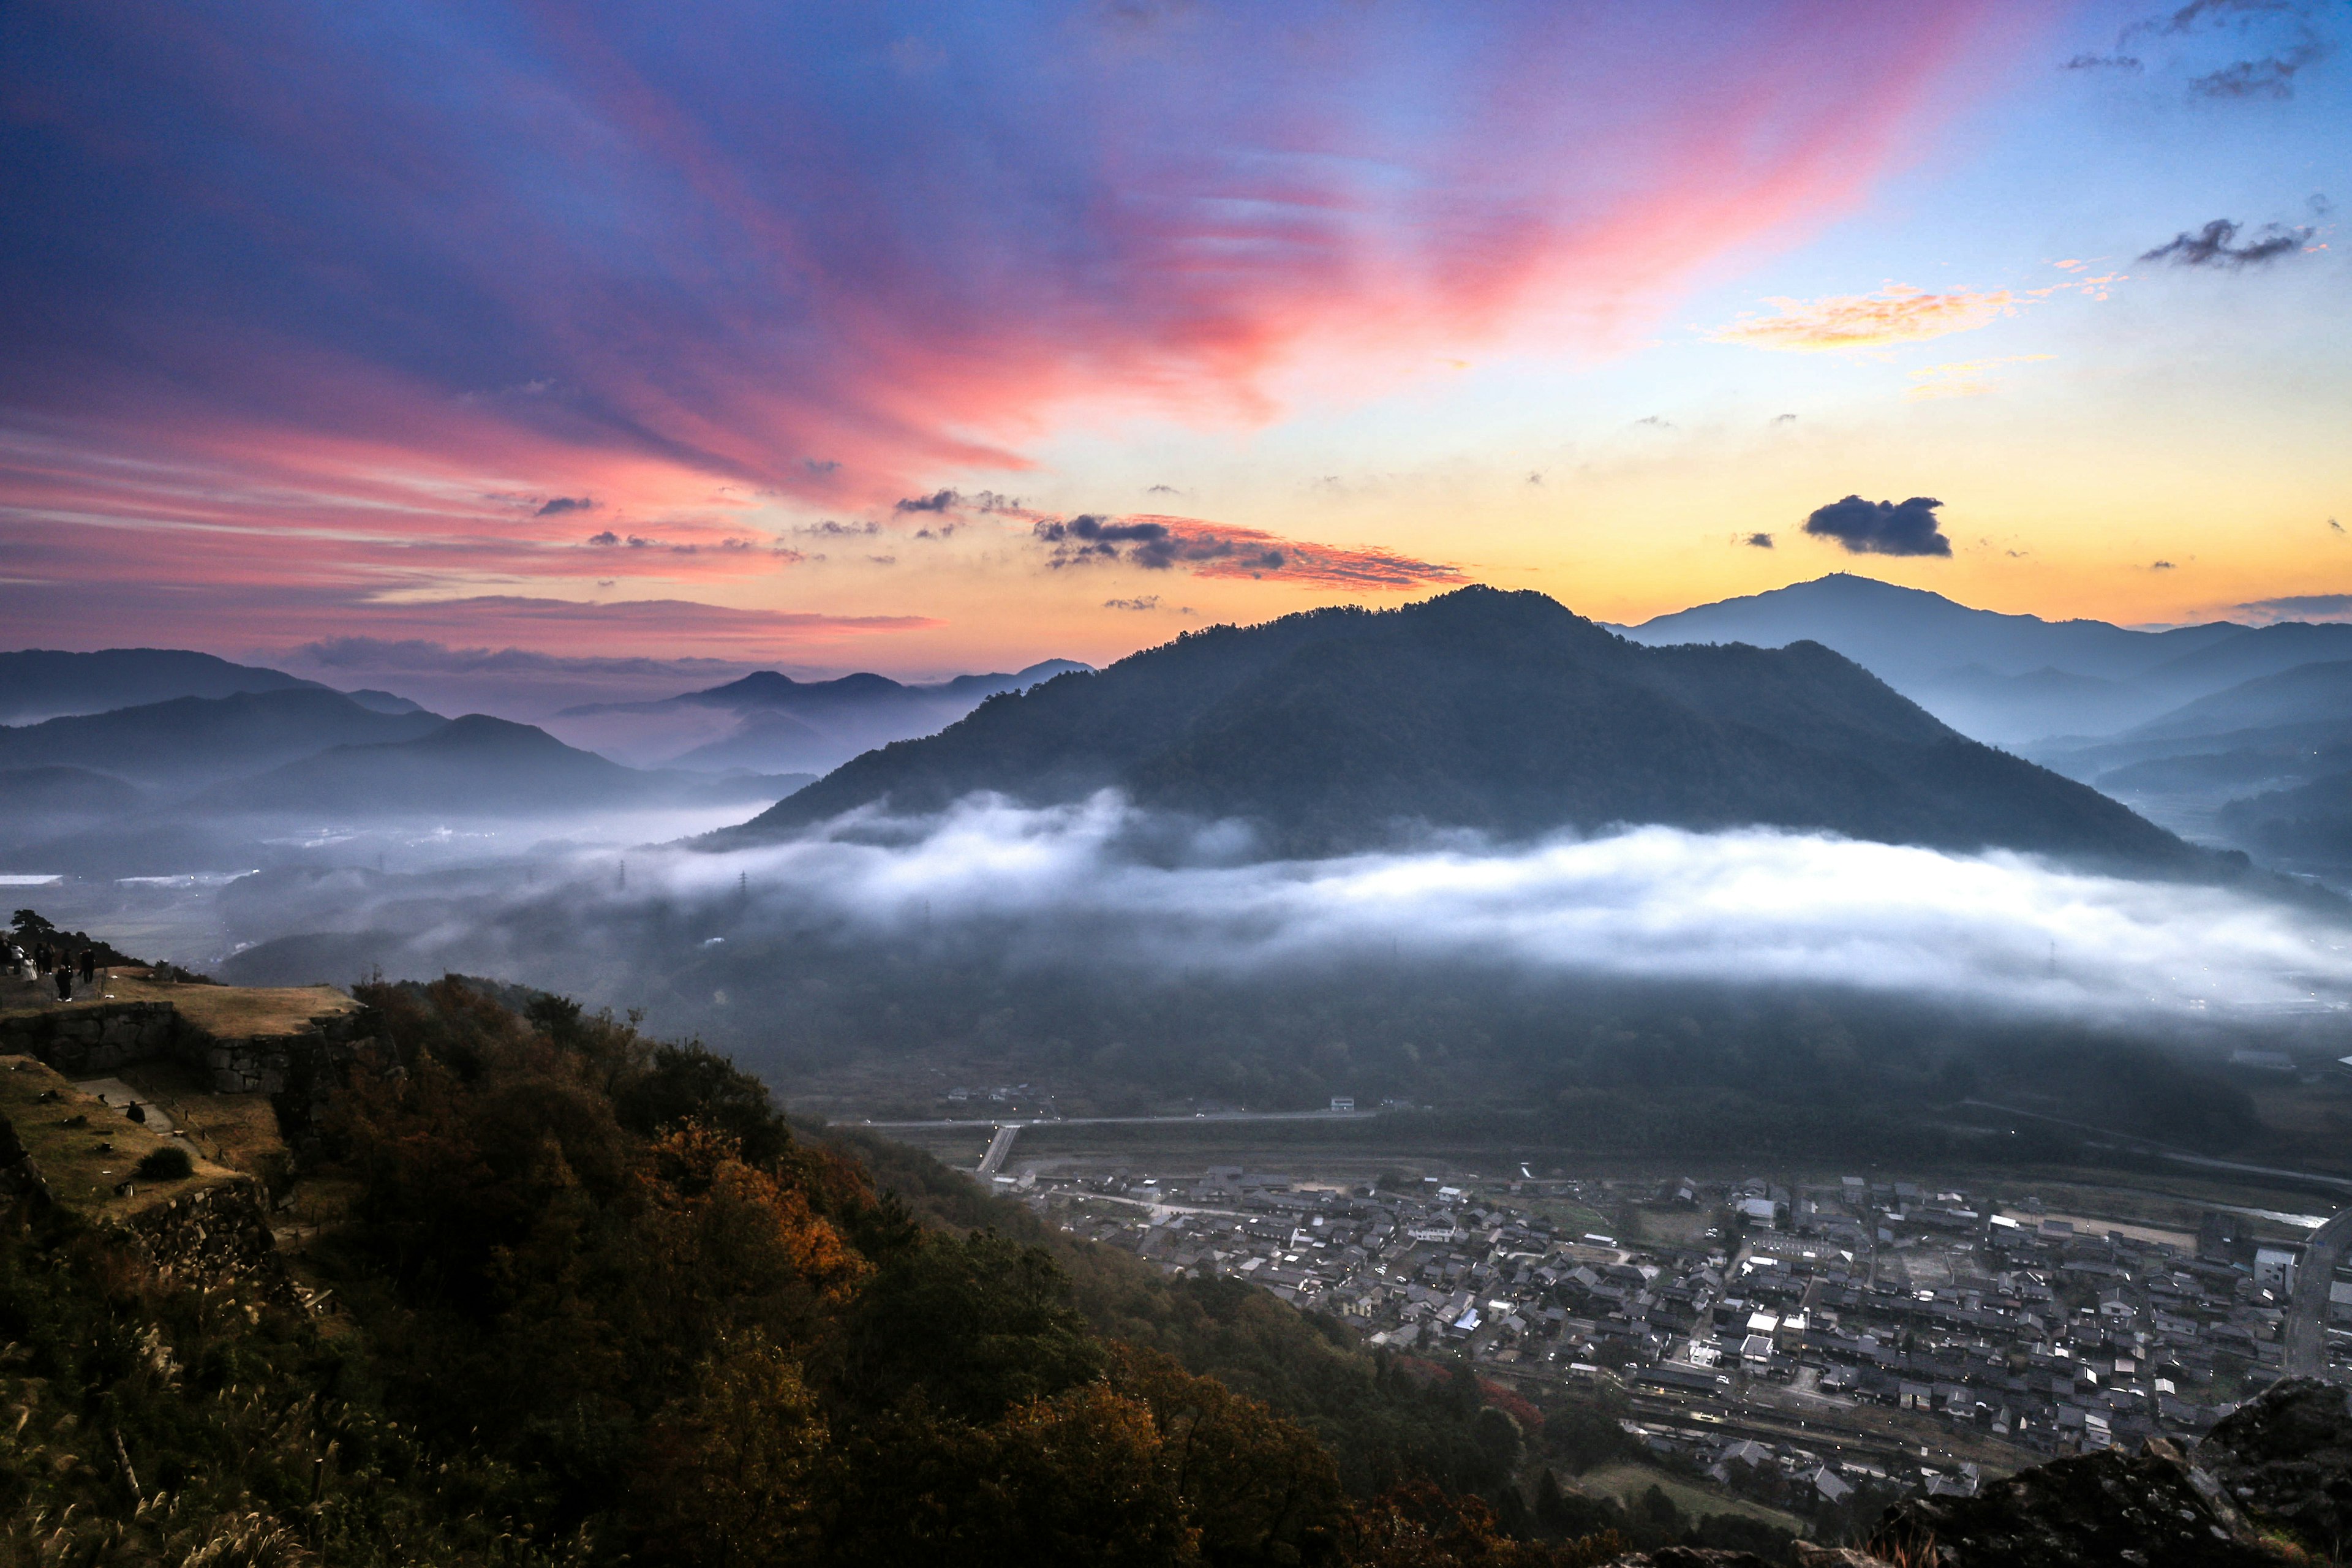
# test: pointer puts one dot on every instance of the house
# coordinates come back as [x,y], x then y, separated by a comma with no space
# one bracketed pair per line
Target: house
[2274,1268]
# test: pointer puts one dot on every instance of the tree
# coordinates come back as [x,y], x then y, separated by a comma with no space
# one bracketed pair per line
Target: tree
[732,1467]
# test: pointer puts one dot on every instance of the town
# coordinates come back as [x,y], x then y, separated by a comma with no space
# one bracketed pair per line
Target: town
[1815,1346]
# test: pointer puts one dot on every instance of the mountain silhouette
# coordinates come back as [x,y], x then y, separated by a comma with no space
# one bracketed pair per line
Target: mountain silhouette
[1494,710]
[46,683]
[190,742]
[769,722]
[477,766]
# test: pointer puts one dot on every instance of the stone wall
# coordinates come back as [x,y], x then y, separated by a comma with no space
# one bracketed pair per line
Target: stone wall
[92,1041]
[209,1236]
[86,1042]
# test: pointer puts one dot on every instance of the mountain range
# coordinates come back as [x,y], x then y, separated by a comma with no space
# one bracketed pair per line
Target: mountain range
[1493,710]
[211,784]
[769,722]
[2006,679]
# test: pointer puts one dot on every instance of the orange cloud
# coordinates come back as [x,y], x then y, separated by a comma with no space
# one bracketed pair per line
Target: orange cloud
[1897,313]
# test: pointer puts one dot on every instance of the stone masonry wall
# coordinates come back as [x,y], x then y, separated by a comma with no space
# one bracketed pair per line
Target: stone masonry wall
[87,1042]
[209,1236]
[83,1042]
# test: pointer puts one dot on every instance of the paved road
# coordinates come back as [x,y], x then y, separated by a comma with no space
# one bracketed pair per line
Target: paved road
[2304,1333]
[2180,1156]
[998,1147]
[1134,1120]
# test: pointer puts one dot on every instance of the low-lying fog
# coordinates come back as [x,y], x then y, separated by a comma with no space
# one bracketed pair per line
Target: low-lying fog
[1106,887]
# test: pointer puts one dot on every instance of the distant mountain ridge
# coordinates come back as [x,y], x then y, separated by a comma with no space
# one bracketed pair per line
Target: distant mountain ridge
[47,683]
[1488,710]
[476,766]
[190,742]
[768,723]
[2001,678]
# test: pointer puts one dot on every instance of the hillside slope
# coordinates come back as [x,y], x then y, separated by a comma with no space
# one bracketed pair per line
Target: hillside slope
[1494,710]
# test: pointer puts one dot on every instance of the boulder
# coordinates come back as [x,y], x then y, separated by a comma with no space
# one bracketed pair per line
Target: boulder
[2286,1459]
[2150,1510]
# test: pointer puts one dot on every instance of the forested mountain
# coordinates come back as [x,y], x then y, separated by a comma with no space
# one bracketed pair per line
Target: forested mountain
[595,1302]
[1493,710]
[44,683]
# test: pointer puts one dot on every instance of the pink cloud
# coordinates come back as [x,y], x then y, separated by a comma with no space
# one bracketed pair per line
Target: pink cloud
[325,285]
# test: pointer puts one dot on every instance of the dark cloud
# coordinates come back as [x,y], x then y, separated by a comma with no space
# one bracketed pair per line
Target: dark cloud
[1143,602]
[2272,76]
[562,504]
[1154,546]
[2161,566]
[829,529]
[2101,62]
[1162,490]
[820,465]
[1758,542]
[1227,550]
[1658,421]
[883,559]
[1882,528]
[956,500]
[605,539]
[1536,478]
[945,531]
[2215,246]
[1784,419]
[2335,525]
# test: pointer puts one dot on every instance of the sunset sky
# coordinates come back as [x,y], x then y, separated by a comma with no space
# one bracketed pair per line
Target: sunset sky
[932,337]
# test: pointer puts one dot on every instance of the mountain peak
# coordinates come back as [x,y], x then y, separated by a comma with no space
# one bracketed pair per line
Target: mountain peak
[1488,709]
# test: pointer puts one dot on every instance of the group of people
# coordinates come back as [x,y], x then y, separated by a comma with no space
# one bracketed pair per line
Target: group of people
[56,962]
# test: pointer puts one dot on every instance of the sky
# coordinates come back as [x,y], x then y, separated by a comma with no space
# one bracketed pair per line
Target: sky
[925,338]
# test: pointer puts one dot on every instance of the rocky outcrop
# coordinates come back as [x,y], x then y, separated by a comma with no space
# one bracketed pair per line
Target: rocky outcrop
[208,1237]
[2286,1459]
[2150,1510]
[1691,1557]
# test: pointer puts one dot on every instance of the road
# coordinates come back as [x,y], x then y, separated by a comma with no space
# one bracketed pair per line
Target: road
[998,1147]
[1193,1121]
[2166,1151]
[2304,1335]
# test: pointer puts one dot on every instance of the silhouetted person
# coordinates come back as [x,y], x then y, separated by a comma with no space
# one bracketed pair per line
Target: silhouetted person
[89,964]
[136,1111]
[65,984]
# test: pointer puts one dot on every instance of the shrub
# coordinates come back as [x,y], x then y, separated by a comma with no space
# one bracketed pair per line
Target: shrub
[169,1164]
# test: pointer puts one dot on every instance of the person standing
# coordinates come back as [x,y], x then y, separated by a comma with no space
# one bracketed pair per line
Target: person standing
[89,965]
[65,982]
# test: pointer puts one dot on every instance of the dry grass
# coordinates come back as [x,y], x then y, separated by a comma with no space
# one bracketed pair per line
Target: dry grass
[1626,1481]
[85,1164]
[239,1130]
[224,1012]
